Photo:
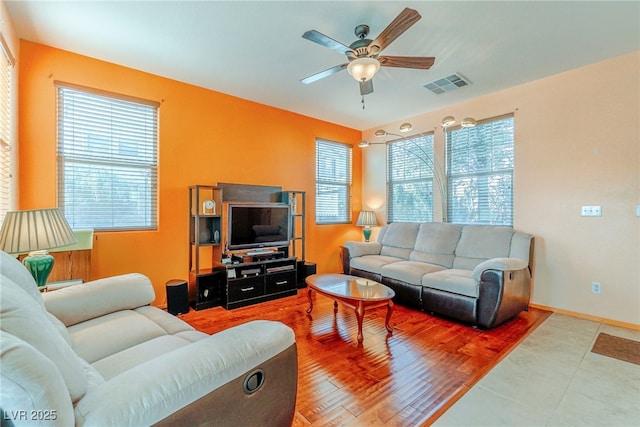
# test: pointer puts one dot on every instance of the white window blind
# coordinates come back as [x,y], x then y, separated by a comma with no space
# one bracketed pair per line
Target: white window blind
[6,129]
[107,160]
[480,173]
[333,182]
[410,179]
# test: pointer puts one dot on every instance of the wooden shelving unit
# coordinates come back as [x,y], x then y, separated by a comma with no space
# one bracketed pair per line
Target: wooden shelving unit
[206,283]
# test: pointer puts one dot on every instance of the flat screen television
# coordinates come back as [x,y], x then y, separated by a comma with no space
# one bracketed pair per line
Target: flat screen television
[258,225]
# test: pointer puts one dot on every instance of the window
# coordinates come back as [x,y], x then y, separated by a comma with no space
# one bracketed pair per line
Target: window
[480,173]
[410,176]
[6,129]
[333,182]
[107,160]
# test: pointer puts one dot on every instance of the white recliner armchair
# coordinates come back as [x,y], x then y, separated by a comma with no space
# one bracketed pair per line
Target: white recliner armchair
[97,354]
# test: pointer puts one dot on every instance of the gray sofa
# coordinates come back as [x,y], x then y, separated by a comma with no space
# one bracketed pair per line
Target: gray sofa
[97,354]
[475,274]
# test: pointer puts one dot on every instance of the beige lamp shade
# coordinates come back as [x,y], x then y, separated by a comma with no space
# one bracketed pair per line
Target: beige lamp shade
[367,219]
[35,230]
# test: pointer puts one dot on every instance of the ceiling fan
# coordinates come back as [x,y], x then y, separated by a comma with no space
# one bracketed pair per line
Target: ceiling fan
[363,54]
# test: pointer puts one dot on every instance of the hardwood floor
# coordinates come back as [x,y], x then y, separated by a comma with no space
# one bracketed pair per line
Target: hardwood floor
[406,379]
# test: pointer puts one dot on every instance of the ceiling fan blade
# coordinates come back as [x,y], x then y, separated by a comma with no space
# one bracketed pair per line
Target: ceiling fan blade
[366,87]
[403,21]
[322,74]
[422,62]
[326,41]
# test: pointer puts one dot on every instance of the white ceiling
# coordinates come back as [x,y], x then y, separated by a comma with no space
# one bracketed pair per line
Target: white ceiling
[254,49]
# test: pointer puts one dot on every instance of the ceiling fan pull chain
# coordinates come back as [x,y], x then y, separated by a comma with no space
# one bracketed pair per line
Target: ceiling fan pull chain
[362,102]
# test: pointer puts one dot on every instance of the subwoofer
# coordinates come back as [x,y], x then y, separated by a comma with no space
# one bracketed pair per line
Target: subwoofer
[177,296]
[305,269]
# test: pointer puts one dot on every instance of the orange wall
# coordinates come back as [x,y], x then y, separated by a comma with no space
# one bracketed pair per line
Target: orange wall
[205,137]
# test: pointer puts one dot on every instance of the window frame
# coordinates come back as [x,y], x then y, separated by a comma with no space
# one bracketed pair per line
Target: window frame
[340,182]
[100,150]
[483,213]
[426,175]
[7,132]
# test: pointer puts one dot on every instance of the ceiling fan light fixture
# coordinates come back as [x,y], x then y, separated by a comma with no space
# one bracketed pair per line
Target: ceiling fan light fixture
[363,69]
[448,121]
[380,132]
[405,127]
[468,122]
[363,144]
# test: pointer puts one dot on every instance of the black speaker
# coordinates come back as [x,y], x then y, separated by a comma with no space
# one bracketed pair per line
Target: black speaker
[305,269]
[300,274]
[177,296]
[309,268]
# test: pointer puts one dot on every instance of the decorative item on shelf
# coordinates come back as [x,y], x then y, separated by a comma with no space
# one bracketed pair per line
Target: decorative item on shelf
[35,232]
[293,203]
[367,219]
[216,236]
[209,207]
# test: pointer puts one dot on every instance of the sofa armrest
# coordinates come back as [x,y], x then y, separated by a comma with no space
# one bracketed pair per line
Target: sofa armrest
[354,249]
[502,264]
[502,293]
[75,304]
[362,248]
[166,386]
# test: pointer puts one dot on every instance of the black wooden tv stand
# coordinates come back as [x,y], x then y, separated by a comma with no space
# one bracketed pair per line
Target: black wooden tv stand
[262,280]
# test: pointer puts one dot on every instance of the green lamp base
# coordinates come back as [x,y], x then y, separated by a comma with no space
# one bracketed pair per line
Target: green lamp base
[39,264]
[367,233]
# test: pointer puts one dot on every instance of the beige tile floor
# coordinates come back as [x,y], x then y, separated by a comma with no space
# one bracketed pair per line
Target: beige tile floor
[553,379]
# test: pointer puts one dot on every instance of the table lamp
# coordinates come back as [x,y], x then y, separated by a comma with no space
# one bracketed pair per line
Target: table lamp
[36,231]
[367,219]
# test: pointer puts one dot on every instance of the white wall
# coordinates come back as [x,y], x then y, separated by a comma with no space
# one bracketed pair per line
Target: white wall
[577,142]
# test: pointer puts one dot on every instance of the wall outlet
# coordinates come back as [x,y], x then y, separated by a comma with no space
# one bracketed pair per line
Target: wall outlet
[596,288]
[591,211]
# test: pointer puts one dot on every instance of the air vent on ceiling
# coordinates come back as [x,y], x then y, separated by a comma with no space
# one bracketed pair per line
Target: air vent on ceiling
[447,84]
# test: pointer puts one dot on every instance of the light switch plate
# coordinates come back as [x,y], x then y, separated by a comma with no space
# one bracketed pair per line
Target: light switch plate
[591,211]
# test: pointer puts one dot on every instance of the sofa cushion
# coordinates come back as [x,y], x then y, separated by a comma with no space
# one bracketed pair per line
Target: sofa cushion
[399,239]
[409,271]
[101,337]
[171,324]
[25,319]
[136,355]
[75,304]
[373,263]
[94,378]
[436,243]
[62,330]
[31,382]
[481,242]
[13,269]
[452,280]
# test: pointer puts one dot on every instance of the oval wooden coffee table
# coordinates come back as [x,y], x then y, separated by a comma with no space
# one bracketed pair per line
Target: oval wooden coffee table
[354,292]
